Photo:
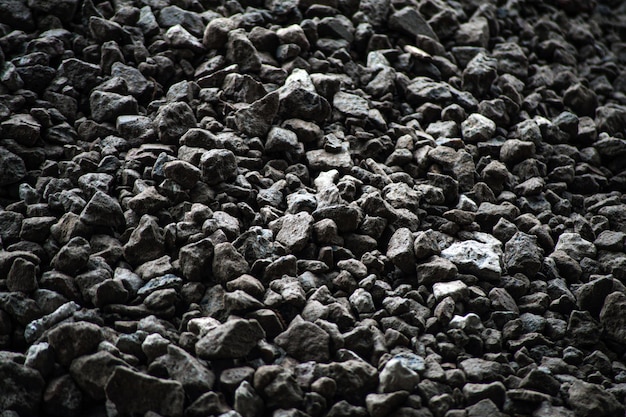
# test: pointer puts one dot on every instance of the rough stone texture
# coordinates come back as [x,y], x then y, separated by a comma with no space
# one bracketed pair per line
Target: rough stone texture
[312,208]
[134,393]
[233,339]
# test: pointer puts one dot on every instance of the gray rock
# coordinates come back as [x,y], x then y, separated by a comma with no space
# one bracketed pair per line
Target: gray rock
[146,242]
[502,300]
[351,105]
[103,210]
[211,403]
[410,21]
[322,160]
[180,366]
[22,276]
[380,405]
[278,386]
[241,51]
[63,397]
[494,391]
[400,250]
[398,375]
[480,370]
[305,341]
[296,231]
[148,201]
[64,9]
[522,254]
[173,15]
[474,33]
[484,407]
[592,295]
[218,165]
[542,381]
[17,14]
[575,246]
[247,402]
[362,301]
[91,372]
[457,290]
[196,259]
[37,327]
[172,121]
[590,399]
[480,258]
[137,84]
[355,378]
[22,388]
[612,316]
[216,32]
[435,269]
[233,339]
[256,118]
[12,167]
[477,128]
[107,106]
[548,410]
[71,340]
[133,393]
[24,128]
[479,74]
[72,257]
[228,263]
[178,37]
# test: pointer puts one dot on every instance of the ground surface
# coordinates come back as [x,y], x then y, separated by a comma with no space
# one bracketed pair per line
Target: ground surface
[312,208]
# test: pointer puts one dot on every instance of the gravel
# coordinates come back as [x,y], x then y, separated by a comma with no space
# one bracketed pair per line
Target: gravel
[312,208]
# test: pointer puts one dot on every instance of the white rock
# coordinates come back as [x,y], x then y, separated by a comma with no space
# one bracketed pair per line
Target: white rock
[457,289]
[474,257]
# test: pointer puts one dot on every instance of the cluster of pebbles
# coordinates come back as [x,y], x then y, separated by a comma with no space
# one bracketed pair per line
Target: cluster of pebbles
[290,208]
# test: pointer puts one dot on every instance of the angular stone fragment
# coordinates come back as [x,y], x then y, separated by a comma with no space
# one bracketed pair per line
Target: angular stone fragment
[73,256]
[233,339]
[107,106]
[71,340]
[474,257]
[62,397]
[256,118]
[218,165]
[91,372]
[435,269]
[241,51]
[523,254]
[575,246]
[22,276]
[146,242]
[613,318]
[180,366]
[477,128]
[228,263]
[296,231]
[12,167]
[590,399]
[134,393]
[173,120]
[305,341]
[400,250]
[410,21]
[21,387]
[103,210]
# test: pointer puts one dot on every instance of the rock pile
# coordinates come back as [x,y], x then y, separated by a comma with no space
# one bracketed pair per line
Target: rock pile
[293,208]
